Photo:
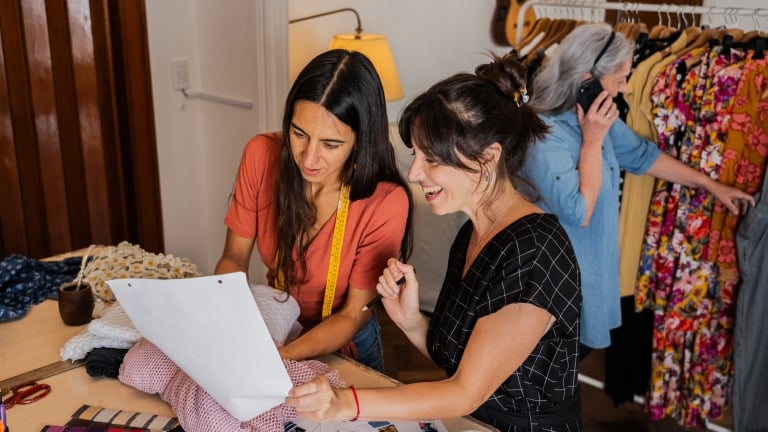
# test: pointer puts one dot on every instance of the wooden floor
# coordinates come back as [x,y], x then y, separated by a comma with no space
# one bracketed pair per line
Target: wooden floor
[404,363]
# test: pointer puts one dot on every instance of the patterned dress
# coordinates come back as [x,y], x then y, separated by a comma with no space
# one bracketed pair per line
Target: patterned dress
[708,107]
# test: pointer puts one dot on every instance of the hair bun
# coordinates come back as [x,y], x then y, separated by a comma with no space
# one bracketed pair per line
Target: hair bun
[508,74]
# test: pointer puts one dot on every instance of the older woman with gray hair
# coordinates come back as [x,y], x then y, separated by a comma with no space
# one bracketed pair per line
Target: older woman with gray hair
[576,167]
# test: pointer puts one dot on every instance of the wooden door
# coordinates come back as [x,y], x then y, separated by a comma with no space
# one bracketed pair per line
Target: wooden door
[78,159]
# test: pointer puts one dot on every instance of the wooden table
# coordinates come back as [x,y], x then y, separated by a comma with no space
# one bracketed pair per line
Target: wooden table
[35,340]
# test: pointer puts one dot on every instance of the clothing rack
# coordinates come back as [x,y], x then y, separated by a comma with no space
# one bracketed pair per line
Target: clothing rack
[630,7]
[728,13]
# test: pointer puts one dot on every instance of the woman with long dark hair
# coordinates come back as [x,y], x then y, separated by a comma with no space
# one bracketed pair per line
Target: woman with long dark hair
[325,206]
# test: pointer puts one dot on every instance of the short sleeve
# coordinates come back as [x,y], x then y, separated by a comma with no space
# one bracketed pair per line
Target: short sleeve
[539,267]
[253,190]
[554,280]
[383,227]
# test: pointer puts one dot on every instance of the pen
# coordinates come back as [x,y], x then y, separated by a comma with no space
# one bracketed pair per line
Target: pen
[3,419]
[378,297]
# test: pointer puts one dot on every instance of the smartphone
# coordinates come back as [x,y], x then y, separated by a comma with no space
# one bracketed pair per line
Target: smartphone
[588,91]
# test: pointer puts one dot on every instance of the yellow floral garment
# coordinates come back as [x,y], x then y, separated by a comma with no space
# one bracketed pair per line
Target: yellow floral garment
[688,273]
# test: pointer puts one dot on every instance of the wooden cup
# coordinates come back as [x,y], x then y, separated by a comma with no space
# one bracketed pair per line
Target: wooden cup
[76,303]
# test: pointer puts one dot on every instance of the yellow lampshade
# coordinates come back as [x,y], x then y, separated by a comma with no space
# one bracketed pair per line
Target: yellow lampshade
[376,48]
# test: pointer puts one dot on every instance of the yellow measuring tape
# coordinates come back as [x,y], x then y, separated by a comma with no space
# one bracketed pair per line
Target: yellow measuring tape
[338,238]
[333,266]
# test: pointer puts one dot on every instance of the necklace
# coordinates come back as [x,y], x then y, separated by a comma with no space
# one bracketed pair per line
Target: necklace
[488,234]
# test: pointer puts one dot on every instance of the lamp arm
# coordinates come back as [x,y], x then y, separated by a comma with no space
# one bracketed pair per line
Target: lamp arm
[358,30]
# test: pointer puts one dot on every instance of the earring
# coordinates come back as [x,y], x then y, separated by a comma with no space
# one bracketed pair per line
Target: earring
[487,177]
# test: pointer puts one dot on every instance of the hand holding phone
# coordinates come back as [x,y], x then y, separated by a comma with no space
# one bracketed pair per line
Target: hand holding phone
[588,91]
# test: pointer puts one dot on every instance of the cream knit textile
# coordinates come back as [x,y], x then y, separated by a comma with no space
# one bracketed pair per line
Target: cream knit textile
[279,310]
[113,330]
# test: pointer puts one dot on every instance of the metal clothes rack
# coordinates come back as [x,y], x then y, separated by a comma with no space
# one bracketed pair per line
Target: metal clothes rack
[635,7]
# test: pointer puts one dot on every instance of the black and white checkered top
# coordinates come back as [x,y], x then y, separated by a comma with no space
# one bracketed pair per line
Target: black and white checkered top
[529,261]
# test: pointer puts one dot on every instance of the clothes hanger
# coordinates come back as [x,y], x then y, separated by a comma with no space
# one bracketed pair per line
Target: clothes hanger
[566,27]
[660,27]
[755,32]
[691,30]
[625,23]
[554,27]
[703,37]
[638,27]
[539,26]
[754,40]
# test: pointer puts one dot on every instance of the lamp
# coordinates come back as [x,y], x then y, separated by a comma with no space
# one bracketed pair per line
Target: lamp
[373,46]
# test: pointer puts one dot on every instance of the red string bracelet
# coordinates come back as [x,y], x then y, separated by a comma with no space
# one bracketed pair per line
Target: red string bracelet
[357,403]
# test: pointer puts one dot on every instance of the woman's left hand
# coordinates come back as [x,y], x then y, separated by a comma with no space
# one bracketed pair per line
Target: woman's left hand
[318,401]
[736,200]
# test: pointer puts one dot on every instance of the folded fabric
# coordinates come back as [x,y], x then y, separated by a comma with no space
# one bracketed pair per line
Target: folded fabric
[104,362]
[148,369]
[113,330]
[115,324]
[25,282]
[279,310]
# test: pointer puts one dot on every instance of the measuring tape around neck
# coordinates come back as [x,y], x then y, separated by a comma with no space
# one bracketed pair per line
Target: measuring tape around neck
[338,239]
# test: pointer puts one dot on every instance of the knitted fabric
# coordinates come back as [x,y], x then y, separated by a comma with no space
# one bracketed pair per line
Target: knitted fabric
[148,369]
[131,261]
[113,330]
[279,310]
[115,324]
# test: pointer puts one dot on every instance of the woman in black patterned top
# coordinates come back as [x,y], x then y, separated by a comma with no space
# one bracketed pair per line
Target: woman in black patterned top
[506,324]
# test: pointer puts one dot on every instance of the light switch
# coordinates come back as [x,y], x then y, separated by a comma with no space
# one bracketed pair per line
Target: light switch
[180,74]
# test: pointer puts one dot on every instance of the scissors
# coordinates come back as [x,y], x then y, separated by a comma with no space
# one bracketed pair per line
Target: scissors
[26,393]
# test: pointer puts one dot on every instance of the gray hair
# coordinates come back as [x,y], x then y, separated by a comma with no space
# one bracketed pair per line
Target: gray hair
[556,84]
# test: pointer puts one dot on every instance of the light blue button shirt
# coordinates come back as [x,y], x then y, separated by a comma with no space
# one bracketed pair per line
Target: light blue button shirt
[553,167]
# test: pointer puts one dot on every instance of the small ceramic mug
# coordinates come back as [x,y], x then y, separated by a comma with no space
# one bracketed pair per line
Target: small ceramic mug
[76,303]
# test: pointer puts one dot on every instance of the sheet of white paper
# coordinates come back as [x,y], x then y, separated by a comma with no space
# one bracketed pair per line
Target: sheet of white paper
[212,329]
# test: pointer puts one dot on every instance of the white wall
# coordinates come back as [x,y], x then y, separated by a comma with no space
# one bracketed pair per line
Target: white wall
[430,39]
[199,142]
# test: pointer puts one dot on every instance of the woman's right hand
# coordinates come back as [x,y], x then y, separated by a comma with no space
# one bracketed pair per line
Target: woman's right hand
[318,401]
[401,301]
[598,119]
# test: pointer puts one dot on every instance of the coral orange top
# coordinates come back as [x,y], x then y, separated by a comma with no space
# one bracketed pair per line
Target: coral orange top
[374,229]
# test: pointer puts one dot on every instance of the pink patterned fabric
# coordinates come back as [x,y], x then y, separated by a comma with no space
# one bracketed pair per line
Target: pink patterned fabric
[148,369]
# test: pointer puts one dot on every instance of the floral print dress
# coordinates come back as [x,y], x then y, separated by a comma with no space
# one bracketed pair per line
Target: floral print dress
[707,107]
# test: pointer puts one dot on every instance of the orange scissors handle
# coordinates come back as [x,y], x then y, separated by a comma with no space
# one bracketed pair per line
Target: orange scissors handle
[26,393]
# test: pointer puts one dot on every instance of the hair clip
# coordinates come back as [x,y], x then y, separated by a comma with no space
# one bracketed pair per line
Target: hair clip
[521,97]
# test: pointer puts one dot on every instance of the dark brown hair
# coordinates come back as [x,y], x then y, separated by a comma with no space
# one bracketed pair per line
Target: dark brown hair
[465,113]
